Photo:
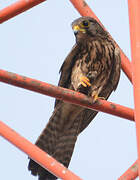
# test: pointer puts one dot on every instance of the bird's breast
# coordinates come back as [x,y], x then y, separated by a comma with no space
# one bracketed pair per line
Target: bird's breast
[77,73]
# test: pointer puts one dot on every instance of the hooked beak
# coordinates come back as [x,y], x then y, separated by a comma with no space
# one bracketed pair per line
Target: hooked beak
[76,29]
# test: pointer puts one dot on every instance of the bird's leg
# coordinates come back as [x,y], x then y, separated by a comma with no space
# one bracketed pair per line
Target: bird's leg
[85,81]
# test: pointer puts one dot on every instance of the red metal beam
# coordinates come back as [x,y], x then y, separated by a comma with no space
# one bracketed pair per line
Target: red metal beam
[131,173]
[85,10]
[17,8]
[134,22]
[66,95]
[41,157]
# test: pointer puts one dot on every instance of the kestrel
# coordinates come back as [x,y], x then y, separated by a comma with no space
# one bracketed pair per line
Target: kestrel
[93,68]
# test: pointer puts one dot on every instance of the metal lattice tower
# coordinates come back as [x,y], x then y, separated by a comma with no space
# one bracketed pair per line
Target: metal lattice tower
[73,97]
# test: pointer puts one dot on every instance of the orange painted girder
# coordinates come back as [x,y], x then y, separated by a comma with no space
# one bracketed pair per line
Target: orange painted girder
[36,153]
[66,95]
[131,173]
[17,8]
[134,22]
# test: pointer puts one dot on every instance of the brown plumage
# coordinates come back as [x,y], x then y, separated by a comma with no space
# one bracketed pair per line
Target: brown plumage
[96,57]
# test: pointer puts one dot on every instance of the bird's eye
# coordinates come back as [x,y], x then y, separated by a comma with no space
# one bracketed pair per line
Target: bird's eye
[85,23]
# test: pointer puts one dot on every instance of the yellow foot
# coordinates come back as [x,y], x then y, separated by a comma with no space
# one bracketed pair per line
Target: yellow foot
[96,97]
[85,81]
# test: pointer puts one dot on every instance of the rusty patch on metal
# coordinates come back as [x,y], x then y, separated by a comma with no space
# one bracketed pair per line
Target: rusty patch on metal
[84,3]
[24,78]
[134,168]
[36,83]
[65,91]
[98,102]
[113,106]
[12,75]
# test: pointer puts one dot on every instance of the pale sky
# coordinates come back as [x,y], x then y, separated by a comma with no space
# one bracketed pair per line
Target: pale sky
[35,44]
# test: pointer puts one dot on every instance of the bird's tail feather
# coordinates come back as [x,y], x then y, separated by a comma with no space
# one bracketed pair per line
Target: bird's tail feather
[57,142]
[46,142]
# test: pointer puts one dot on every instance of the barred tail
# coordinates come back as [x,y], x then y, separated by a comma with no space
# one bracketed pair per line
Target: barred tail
[57,139]
[46,142]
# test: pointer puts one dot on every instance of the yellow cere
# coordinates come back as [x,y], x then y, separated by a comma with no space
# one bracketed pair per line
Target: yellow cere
[77,28]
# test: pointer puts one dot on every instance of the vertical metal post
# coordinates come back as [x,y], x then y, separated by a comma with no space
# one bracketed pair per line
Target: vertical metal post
[134,22]
[131,173]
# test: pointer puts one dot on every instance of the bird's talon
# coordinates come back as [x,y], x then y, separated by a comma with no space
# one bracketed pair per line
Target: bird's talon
[83,84]
[102,98]
[85,81]
[96,97]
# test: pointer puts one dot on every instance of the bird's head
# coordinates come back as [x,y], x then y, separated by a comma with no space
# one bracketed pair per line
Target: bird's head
[87,27]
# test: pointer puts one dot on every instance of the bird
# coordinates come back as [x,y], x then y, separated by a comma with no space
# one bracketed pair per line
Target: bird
[93,68]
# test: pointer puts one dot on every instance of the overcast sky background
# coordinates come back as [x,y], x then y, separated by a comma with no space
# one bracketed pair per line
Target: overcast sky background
[35,44]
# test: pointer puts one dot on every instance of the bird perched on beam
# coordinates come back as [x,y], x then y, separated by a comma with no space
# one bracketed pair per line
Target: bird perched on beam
[93,68]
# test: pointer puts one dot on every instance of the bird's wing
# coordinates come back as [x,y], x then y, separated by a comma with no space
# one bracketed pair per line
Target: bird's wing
[67,65]
[66,69]
[115,75]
